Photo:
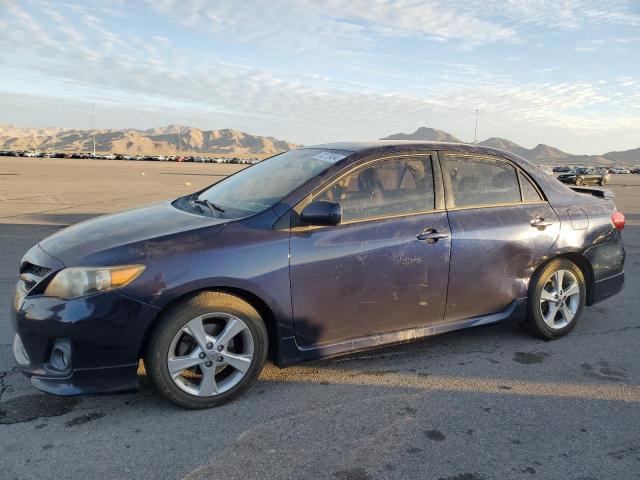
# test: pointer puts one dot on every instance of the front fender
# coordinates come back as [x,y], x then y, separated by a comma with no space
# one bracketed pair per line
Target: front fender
[255,261]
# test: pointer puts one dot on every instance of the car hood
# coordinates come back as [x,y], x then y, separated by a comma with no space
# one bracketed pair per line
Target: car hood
[129,235]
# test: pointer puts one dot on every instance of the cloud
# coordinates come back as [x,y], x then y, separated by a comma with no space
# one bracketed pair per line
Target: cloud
[158,76]
[347,26]
[562,14]
[334,26]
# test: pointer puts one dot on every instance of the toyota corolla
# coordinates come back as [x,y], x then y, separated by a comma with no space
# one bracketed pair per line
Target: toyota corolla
[313,253]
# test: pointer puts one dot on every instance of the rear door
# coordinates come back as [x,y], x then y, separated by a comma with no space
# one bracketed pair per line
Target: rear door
[375,272]
[501,228]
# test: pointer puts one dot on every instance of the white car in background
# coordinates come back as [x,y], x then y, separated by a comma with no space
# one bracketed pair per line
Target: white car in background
[619,170]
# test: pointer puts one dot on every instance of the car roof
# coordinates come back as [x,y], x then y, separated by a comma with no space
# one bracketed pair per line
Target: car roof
[400,145]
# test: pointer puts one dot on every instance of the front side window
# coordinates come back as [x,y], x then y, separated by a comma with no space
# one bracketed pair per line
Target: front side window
[263,185]
[477,180]
[388,187]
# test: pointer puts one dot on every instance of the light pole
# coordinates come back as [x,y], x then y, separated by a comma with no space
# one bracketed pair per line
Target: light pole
[93,133]
[475,132]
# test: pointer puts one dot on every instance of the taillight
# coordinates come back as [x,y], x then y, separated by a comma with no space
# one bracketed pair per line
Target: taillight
[618,220]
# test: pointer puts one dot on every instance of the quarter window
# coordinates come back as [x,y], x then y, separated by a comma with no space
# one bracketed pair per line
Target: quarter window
[482,181]
[529,192]
[388,187]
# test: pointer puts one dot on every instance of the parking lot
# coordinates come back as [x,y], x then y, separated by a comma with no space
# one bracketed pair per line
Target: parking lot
[486,403]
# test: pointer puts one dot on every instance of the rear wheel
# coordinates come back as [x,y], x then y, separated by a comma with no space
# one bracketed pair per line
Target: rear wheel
[207,350]
[579,180]
[557,295]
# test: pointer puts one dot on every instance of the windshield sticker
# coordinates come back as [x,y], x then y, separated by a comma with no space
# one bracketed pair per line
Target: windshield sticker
[332,157]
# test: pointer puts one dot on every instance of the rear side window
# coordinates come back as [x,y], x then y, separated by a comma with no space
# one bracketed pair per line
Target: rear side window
[478,180]
[388,187]
[529,192]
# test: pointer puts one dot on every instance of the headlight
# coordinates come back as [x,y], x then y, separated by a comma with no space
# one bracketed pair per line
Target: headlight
[77,282]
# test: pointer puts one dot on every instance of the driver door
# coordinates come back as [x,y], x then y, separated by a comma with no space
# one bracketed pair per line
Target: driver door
[374,272]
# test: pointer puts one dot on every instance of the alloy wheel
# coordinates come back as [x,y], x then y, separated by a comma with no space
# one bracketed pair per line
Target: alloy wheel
[210,354]
[560,299]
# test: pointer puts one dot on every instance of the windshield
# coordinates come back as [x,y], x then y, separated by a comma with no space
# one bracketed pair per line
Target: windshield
[261,186]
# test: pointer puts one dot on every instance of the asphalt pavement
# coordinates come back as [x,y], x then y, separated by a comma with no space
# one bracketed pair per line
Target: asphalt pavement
[485,403]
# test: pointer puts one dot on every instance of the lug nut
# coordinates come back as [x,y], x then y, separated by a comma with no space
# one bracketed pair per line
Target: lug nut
[202,355]
[220,347]
[209,346]
[208,364]
[220,359]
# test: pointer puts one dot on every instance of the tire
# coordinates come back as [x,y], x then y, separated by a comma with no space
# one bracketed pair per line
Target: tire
[602,181]
[219,339]
[579,181]
[540,319]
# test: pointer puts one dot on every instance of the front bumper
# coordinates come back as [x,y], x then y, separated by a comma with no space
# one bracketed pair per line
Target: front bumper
[100,337]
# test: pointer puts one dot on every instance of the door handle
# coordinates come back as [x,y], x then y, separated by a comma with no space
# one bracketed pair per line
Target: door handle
[539,222]
[431,235]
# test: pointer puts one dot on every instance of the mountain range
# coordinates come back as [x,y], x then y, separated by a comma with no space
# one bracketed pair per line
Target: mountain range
[154,141]
[171,139]
[540,154]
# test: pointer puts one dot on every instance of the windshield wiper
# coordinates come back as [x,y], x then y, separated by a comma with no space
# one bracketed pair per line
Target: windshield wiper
[210,205]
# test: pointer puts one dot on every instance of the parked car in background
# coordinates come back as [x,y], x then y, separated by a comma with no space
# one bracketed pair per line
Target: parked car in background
[584,176]
[619,171]
[312,253]
[635,169]
[546,169]
[561,169]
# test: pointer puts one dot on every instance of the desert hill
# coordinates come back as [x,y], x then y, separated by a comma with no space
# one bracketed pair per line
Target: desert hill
[540,154]
[156,141]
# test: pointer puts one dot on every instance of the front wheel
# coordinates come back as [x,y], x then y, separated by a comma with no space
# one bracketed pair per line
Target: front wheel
[603,181]
[579,181]
[207,350]
[557,295]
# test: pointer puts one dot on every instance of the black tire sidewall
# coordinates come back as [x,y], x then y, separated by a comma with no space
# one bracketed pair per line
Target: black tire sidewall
[535,321]
[175,318]
[579,181]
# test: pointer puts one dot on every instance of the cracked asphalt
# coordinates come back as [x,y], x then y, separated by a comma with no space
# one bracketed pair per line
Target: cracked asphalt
[487,403]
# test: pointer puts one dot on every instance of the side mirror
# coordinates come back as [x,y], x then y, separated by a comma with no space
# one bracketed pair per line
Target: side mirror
[321,212]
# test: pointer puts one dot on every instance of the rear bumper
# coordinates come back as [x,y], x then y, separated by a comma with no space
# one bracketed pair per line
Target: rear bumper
[607,260]
[608,287]
[96,340]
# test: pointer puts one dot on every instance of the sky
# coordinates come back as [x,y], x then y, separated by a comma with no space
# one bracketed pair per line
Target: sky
[559,72]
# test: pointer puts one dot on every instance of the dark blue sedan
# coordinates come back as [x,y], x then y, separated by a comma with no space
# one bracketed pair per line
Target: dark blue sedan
[312,253]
